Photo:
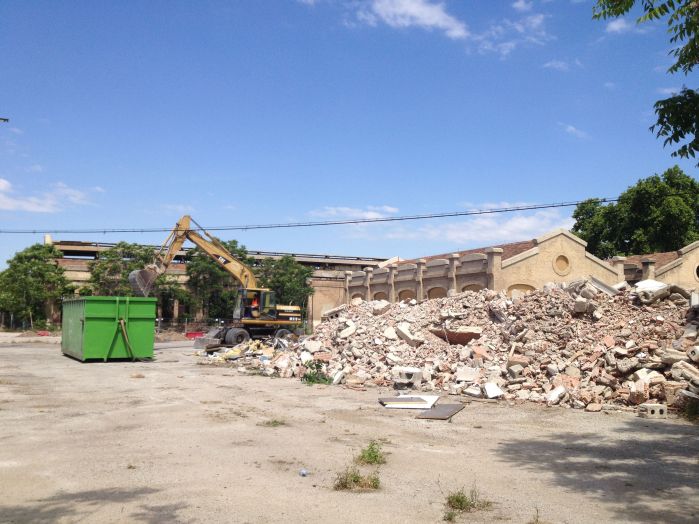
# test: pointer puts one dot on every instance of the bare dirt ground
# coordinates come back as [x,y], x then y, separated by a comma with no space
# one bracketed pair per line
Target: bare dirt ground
[187,443]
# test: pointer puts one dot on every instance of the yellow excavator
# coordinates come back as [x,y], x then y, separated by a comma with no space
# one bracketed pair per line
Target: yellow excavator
[256,312]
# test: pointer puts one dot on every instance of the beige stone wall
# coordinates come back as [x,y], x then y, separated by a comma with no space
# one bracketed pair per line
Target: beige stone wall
[557,257]
[327,295]
[684,271]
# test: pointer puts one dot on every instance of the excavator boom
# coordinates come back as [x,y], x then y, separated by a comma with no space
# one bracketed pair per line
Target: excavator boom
[142,280]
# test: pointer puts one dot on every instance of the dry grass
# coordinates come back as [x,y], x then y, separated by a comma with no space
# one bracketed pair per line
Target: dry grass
[351,479]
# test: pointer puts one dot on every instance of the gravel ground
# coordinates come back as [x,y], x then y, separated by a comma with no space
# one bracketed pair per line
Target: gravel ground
[171,441]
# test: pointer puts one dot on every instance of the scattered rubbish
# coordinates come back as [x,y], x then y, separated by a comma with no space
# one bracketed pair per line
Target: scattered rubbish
[303,472]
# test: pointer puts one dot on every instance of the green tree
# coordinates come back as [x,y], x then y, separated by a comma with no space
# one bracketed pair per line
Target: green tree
[33,284]
[214,289]
[659,213]
[109,275]
[287,278]
[677,116]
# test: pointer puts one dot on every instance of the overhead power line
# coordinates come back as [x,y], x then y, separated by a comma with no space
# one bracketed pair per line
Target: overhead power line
[427,216]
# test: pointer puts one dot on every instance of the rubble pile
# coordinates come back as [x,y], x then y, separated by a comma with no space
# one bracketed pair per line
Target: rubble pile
[579,345]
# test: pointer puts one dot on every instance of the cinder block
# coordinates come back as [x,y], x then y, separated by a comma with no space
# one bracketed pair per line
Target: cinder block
[648,410]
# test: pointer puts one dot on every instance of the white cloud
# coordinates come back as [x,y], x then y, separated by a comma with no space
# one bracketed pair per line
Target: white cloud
[34,168]
[669,91]
[180,208]
[16,130]
[351,213]
[609,85]
[61,196]
[488,229]
[574,131]
[501,37]
[505,36]
[522,5]
[558,65]
[619,25]
[424,14]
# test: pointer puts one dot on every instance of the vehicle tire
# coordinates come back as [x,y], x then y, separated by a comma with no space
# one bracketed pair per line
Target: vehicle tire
[236,336]
[282,333]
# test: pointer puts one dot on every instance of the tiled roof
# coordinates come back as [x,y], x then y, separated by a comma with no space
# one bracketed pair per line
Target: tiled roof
[508,251]
[661,259]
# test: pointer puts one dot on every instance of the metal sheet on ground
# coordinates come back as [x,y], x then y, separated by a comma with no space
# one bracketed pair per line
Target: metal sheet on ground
[409,402]
[441,412]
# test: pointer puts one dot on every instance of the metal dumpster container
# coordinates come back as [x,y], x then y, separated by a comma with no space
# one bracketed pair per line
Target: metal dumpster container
[108,328]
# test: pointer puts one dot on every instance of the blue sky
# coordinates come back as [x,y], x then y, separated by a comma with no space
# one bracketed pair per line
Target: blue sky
[129,114]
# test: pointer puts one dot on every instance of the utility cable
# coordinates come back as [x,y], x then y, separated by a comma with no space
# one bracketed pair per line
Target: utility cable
[427,216]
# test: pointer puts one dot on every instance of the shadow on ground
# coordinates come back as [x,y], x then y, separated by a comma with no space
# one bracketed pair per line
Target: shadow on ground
[649,471]
[82,505]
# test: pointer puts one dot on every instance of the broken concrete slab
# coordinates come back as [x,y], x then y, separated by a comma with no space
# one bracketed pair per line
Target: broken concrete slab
[404,333]
[492,390]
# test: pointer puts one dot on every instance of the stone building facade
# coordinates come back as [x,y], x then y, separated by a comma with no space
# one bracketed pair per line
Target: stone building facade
[679,267]
[516,268]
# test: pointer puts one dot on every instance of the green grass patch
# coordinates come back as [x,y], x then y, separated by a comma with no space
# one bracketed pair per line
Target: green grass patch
[351,479]
[372,454]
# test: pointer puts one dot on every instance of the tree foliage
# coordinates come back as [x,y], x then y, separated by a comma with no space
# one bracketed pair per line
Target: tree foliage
[109,274]
[32,282]
[678,116]
[213,289]
[287,278]
[659,213]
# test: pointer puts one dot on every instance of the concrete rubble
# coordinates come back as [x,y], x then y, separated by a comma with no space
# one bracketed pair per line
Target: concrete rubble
[583,346]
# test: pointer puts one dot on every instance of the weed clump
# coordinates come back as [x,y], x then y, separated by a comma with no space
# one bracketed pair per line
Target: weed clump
[273,423]
[459,502]
[352,479]
[372,454]
[315,374]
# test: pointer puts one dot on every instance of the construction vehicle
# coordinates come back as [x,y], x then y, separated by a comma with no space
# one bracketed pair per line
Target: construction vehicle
[256,312]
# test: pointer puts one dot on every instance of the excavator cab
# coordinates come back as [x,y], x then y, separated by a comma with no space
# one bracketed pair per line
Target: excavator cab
[255,304]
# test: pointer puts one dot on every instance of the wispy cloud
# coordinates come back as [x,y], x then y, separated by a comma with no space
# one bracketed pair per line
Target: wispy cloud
[609,85]
[60,197]
[558,65]
[622,25]
[668,91]
[179,208]
[487,229]
[423,14]
[16,130]
[507,35]
[341,212]
[522,5]
[34,168]
[574,131]
[501,37]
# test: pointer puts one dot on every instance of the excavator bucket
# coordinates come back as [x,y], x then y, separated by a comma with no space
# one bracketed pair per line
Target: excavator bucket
[142,281]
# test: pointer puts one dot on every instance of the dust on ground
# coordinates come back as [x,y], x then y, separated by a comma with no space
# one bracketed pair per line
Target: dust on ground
[170,441]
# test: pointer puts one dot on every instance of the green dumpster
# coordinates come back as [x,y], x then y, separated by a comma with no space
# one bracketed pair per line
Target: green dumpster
[108,328]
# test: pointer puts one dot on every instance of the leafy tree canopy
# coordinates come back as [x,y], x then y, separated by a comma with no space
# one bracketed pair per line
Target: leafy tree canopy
[287,278]
[213,288]
[32,281]
[659,213]
[678,116]
[109,274]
